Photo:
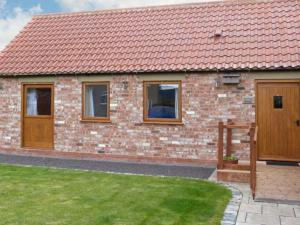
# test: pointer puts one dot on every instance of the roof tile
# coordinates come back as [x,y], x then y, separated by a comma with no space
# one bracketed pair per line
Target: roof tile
[257,34]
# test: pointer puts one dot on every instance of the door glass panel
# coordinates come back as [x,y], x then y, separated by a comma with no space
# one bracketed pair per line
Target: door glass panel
[38,102]
[277,101]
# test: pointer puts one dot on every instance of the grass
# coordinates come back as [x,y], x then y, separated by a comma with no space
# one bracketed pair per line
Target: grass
[41,196]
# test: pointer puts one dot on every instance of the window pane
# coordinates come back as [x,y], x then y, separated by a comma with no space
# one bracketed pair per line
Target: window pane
[163,101]
[96,100]
[38,101]
[277,102]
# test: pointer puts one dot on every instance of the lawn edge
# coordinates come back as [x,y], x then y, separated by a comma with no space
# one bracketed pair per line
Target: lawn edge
[110,172]
[233,207]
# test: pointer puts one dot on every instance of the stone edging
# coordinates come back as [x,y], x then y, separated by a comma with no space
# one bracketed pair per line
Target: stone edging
[232,209]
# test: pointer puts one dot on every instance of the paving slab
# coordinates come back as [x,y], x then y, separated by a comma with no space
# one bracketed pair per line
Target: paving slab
[241,217]
[253,208]
[297,212]
[289,220]
[262,219]
[283,210]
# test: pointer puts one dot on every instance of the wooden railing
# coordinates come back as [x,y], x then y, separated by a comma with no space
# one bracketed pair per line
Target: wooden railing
[229,127]
[253,157]
[253,129]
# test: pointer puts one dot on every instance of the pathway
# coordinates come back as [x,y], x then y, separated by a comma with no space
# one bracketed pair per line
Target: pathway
[264,213]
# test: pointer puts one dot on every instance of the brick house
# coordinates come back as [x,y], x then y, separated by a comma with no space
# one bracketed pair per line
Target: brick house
[152,83]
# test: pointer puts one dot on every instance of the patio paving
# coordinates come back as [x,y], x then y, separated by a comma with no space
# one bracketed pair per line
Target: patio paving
[281,183]
[265,213]
[250,212]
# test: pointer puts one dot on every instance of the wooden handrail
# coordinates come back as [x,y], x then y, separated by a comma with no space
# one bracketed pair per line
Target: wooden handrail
[255,134]
[229,138]
[237,126]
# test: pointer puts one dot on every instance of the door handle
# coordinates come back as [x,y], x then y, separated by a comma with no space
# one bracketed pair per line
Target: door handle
[298,123]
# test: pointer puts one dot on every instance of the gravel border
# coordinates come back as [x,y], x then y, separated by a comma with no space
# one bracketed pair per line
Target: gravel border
[200,172]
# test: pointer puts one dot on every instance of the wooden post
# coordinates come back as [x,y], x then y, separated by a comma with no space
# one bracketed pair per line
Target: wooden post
[255,160]
[252,133]
[220,145]
[229,139]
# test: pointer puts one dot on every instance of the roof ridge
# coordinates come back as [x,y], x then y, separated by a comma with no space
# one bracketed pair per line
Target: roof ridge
[155,7]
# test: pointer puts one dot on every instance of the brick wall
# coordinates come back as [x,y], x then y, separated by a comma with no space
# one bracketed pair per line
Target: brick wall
[10,113]
[204,105]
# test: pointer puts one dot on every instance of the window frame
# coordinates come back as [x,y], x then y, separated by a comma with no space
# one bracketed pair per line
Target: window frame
[95,119]
[145,103]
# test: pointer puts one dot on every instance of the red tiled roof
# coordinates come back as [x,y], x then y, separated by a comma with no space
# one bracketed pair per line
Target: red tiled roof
[254,36]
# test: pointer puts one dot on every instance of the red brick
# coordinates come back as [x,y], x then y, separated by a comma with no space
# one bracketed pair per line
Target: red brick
[197,137]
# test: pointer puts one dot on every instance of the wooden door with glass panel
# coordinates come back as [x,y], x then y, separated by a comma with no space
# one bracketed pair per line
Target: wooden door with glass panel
[278,119]
[38,120]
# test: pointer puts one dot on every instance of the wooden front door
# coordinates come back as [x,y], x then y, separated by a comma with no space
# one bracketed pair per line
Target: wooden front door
[278,115]
[38,122]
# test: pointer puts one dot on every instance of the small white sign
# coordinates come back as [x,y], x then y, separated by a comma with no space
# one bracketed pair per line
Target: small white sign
[222,95]
[190,112]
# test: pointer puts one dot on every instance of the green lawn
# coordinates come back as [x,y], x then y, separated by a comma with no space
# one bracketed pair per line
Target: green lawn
[40,196]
